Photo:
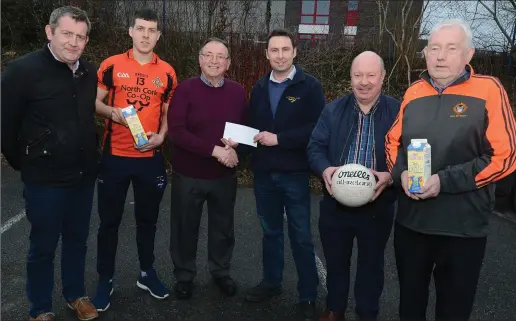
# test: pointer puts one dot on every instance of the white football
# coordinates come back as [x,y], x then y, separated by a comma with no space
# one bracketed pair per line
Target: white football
[353,185]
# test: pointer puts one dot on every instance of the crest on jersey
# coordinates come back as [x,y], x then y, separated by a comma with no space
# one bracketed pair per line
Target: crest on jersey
[459,110]
[157,82]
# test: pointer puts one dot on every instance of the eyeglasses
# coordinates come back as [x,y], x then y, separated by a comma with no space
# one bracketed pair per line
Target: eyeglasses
[210,56]
[435,51]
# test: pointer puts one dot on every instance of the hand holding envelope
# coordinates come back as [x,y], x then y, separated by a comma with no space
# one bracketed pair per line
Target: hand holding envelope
[235,134]
[229,142]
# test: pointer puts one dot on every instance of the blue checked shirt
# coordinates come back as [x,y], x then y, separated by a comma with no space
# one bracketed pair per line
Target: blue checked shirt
[439,89]
[361,150]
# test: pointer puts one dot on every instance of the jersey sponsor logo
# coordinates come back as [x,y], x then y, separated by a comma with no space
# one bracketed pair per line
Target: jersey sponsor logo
[459,110]
[139,96]
[122,75]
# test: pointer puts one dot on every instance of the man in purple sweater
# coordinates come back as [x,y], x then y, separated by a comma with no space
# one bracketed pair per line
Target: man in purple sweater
[203,168]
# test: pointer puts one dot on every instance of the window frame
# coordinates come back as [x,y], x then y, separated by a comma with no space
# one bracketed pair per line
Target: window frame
[314,16]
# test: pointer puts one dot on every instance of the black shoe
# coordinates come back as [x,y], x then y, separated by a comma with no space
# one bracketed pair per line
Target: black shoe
[184,290]
[261,292]
[308,310]
[226,285]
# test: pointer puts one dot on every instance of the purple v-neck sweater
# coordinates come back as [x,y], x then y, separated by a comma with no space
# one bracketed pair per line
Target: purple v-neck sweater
[197,116]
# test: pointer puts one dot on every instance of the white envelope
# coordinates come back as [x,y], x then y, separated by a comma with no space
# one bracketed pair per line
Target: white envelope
[240,134]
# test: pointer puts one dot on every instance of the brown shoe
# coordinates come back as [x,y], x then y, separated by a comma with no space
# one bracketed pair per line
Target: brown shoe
[332,316]
[84,308]
[49,316]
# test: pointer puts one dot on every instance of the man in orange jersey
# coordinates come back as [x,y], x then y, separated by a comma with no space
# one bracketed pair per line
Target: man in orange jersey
[139,78]
[470,127]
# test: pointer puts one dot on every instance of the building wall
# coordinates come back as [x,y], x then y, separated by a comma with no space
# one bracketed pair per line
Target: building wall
[358,18]
[336,16]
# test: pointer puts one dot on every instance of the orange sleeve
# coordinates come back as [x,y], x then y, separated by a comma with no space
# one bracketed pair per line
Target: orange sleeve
[104,76]
[501,134]
[393,138]
[168,99]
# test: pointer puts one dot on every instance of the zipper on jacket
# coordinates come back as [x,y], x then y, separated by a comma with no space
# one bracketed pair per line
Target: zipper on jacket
[38,140]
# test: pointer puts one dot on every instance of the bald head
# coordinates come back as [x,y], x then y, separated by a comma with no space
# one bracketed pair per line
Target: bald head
[367,74]
[368,58]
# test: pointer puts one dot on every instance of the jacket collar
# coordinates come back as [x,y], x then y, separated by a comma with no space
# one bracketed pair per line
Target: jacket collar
[298,77]
[374,108]
[465,77]
[348,101]
[81,69]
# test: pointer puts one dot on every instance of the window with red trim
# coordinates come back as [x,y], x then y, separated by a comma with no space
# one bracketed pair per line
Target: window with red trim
[314,12]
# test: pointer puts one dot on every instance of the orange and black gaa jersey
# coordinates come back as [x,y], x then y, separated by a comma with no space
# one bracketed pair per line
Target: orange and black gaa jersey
[472,133]
[147,87]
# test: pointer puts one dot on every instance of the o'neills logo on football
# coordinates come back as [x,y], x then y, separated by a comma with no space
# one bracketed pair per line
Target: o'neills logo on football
[354,174]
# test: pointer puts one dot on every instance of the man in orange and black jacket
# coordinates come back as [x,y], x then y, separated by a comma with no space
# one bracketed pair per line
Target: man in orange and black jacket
[470,126]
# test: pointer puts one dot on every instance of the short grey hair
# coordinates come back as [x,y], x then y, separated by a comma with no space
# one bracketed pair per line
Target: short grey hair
[215,39]
[455,23]
[75,13]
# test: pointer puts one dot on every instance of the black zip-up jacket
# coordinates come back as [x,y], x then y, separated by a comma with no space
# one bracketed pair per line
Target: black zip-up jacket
[48,119]
[472,133]
[296,115]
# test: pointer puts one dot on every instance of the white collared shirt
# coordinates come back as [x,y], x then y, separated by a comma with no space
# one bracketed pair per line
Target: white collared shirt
[75,66]
[290,76]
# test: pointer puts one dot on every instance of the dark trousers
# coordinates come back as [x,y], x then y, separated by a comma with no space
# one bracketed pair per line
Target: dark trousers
[187,201]
[278,194]
[338,228]
[455,263]
[149,181]
[53,213]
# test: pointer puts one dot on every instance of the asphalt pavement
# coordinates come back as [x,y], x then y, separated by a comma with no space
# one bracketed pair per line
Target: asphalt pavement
[495,300]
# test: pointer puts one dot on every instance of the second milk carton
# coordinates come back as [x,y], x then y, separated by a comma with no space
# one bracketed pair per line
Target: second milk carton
[419,164]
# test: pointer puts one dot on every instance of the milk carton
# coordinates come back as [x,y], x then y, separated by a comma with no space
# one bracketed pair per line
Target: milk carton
[419,164]
[131,116]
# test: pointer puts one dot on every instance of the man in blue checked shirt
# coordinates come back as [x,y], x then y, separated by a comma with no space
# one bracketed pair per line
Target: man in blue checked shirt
[352,129]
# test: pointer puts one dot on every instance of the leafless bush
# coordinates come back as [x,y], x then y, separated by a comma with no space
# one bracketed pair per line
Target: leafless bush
[245,24]
[330,62]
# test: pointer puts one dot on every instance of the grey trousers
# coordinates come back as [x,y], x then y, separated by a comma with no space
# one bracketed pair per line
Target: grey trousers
[187,201]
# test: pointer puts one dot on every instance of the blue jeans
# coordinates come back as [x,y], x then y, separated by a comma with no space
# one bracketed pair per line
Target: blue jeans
[278,193]
[55,212]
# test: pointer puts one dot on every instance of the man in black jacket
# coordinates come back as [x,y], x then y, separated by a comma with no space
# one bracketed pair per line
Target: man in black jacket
[285,105]
[48,133]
